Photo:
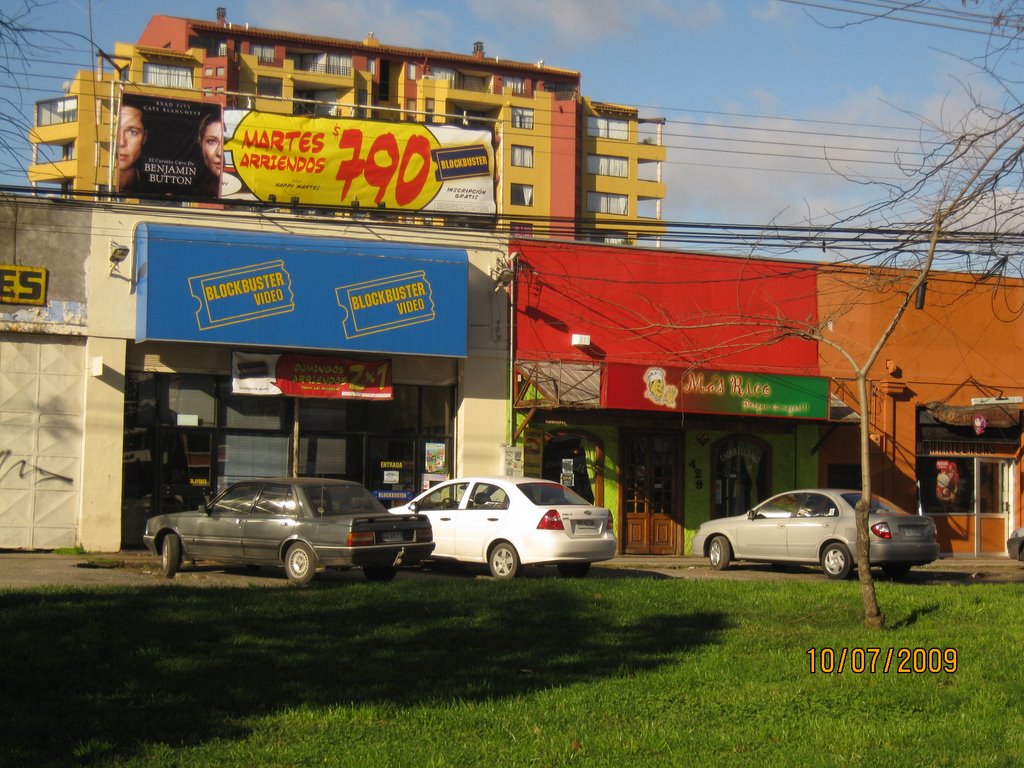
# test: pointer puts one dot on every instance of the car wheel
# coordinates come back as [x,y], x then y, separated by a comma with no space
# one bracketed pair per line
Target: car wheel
[379,572]
[719,553]
[836,561]
[896,570]
[503,561]
[300,564]
[170,556]
[573,570]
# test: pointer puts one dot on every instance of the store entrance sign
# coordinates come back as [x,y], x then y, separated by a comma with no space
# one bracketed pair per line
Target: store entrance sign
[657,388]
[287,291]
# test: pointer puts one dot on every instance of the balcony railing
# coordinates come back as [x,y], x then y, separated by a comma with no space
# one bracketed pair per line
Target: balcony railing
[340,70]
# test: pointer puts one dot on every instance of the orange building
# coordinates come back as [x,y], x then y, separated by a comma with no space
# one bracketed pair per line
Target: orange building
[945,396]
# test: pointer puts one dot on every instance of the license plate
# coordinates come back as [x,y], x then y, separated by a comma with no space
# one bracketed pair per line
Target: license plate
[586,523]
[912,531]
[391,536]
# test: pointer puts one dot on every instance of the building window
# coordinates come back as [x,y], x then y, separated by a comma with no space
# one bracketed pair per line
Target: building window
[514,85]
[600,202]
[269,86]
[338,64]
[410,71]
[522,117]
[166,75]
[264,53]
[522,194]
[443,73]
[607,165]
[428,107]
[57,111]
[522,157]
[607,128]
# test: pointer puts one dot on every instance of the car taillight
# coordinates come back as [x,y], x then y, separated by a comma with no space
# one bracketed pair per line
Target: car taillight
[552,521]
[424,534]
[359,539]
[881,530]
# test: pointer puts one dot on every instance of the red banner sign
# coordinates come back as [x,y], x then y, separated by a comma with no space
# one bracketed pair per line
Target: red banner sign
[305,376]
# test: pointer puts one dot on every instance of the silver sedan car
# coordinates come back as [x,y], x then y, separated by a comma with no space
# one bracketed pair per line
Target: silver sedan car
[817,526]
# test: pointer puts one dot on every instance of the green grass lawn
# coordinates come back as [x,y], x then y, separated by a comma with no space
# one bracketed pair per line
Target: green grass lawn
[536,672]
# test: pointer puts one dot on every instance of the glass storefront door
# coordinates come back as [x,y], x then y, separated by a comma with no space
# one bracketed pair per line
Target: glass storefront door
[993,508]
[186,469]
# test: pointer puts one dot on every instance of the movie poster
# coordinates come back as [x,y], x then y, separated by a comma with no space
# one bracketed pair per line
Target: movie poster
[169,147]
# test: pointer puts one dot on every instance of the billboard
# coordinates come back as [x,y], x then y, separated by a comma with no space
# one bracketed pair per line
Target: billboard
[168,147]
[335,162]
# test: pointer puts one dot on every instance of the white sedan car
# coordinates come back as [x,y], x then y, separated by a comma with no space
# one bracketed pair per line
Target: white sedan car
[509,522]
[817,525]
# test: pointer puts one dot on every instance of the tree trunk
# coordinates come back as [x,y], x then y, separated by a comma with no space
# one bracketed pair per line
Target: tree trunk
[873,618]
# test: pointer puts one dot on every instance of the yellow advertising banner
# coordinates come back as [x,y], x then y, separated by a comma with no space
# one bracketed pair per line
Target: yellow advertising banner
[332,162]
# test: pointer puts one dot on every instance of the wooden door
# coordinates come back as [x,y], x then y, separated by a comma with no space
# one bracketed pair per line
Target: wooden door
[652,495]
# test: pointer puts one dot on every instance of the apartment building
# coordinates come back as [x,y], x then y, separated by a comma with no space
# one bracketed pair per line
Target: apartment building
[564,165]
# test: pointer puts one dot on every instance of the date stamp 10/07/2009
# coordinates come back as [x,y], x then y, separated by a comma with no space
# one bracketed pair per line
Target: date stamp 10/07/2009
[870,661]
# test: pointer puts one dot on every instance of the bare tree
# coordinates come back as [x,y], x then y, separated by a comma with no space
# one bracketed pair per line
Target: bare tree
[15,57]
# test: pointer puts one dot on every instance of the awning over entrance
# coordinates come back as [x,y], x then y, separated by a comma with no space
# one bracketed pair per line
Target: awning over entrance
[556,384]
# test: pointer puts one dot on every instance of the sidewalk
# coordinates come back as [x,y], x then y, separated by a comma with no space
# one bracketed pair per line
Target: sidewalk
[19,570]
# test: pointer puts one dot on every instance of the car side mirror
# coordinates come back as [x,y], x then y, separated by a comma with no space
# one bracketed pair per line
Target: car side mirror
[203,509]
[413,506]
[750,514]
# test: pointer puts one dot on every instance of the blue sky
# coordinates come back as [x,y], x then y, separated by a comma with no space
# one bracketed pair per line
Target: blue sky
[765,100]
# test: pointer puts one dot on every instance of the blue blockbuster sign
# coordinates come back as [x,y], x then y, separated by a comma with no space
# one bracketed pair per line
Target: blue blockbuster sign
[222,286]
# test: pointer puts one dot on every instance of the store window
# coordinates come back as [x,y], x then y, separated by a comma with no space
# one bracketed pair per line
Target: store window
[740,468]
[187,436]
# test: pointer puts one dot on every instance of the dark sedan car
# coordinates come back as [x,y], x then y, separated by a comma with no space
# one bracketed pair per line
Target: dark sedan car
[1015,544]
[305,524]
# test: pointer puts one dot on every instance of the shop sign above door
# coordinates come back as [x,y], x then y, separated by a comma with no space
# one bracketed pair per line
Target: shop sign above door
[287,291]
[656,388]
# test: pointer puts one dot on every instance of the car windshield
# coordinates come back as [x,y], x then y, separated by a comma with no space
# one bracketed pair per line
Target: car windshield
[552,495]
[879,504]
[343,500]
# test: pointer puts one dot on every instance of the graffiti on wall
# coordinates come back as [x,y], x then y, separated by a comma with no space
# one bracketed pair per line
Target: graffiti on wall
[24,470]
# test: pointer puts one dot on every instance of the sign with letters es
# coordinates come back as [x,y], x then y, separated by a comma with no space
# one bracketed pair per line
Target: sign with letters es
[248,288]
[23,285]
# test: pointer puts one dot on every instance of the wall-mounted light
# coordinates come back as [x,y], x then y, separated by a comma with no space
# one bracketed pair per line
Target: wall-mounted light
[118,253]
[502,273]
[581,339]
[919,297]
